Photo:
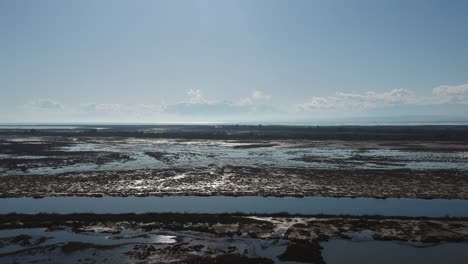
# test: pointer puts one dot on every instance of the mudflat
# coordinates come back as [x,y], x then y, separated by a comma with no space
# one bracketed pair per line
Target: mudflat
[414,162]
[429,162]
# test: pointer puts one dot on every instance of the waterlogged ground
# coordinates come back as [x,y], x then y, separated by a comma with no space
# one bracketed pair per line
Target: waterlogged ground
[93,166]
[182,238]
[187,161]
[50,155]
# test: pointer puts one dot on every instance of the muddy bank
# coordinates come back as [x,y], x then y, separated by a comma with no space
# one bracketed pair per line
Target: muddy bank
[292,227]
[244,181]
[198,238]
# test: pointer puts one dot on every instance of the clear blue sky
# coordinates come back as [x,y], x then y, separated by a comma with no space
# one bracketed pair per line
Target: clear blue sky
[157,61]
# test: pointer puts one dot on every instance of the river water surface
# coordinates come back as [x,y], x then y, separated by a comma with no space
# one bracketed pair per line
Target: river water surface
[244,204]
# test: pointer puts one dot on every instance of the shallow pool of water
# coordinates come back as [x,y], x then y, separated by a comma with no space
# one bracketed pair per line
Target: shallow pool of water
[338,251]
[66,235]
[203,153]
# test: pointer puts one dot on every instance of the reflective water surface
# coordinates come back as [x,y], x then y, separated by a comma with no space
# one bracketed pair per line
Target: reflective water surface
[244,204]
[338,251]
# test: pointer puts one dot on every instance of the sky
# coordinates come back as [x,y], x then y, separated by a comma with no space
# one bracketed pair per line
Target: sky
[232,61]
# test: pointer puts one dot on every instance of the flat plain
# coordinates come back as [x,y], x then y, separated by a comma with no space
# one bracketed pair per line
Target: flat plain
[374,162]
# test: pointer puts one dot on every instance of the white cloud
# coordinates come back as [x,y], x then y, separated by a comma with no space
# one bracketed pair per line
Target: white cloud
[258,103]
[366,100]
[393,96]
[149,108]
[196,97]
[45,104]
[457,90]
[195,104]
[260,96]
[106,108]
[319,103]
[123,108]
[457,94]
[198,104]
[255,98]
